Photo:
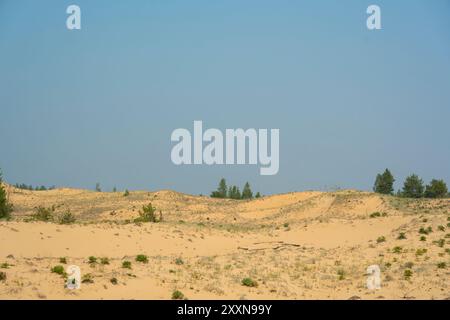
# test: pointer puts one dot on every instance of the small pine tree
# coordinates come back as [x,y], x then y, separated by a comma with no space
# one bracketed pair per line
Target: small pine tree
[258,195]
[221,190]
[97,187]
[247,192]
[436,189]
[384,183]
[5,207]
[114,189]
[413,187]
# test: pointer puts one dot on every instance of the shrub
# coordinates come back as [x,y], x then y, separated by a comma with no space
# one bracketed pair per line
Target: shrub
[147,214]
[436,189]
[5,206]
[126,193]
[67,218]
[58,270]
[397,250]
[440,243]
[177,295]
[409,265]
[384,183]
[126,264]
[375,215]
[5,265]
[92,260]
[87,278]
[258,195]
[413,187]
[179,261]
[2,276]
[407,274]
[381,239]
[104,260]
[423,238]
[341,274]
[442,265]
[441,228]
[44,214]
[421,252]
[97,187]
[425,231]
[401,236]
[142,258]
[63,260]
[114,281]
[249,282]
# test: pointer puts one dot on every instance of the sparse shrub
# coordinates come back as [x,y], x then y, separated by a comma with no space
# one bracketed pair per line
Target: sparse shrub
[442,265]
[408,265]
[375,214]
[381,239]
[407,274]
[2,276]
[114,281]
[104,260]
[413,187]
[58,270]
[67,218]
[5,265]
[341,274]
[421,252]
[384,183]
[440,243]
[126,264]
[87,278]
[423,238]
[126,193]
[249,282]
[92,260]
[179,261]
[63,260]
[5,206]
[44,214]
[142,258]
[97,187]
[401,236]
[147,214]
[441,228]
[177,295]
[397,249]
[428,230]
[286,225]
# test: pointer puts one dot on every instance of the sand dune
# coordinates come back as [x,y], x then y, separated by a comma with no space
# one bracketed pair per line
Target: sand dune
[303,245]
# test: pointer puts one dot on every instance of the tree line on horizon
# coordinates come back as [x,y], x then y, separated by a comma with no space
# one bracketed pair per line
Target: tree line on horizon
[233,192]
[413,186]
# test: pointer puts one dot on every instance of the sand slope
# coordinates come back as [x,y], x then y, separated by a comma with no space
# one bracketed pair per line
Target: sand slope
[304,245]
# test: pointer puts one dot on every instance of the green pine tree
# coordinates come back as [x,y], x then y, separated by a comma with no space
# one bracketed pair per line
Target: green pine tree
[413,187]
[384,183]
[247,192]
[5,207]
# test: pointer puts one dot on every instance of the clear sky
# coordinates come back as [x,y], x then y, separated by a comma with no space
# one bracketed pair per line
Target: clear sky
[100,104]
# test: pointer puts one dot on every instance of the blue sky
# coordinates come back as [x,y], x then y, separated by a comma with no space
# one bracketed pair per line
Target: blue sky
[99,104]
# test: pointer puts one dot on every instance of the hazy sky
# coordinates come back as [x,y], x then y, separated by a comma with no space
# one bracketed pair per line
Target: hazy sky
[100,104]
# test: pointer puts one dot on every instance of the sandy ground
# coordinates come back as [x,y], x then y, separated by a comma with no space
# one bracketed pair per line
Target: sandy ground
[306,245]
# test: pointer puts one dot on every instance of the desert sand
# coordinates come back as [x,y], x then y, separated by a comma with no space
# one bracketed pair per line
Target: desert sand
[304,245]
